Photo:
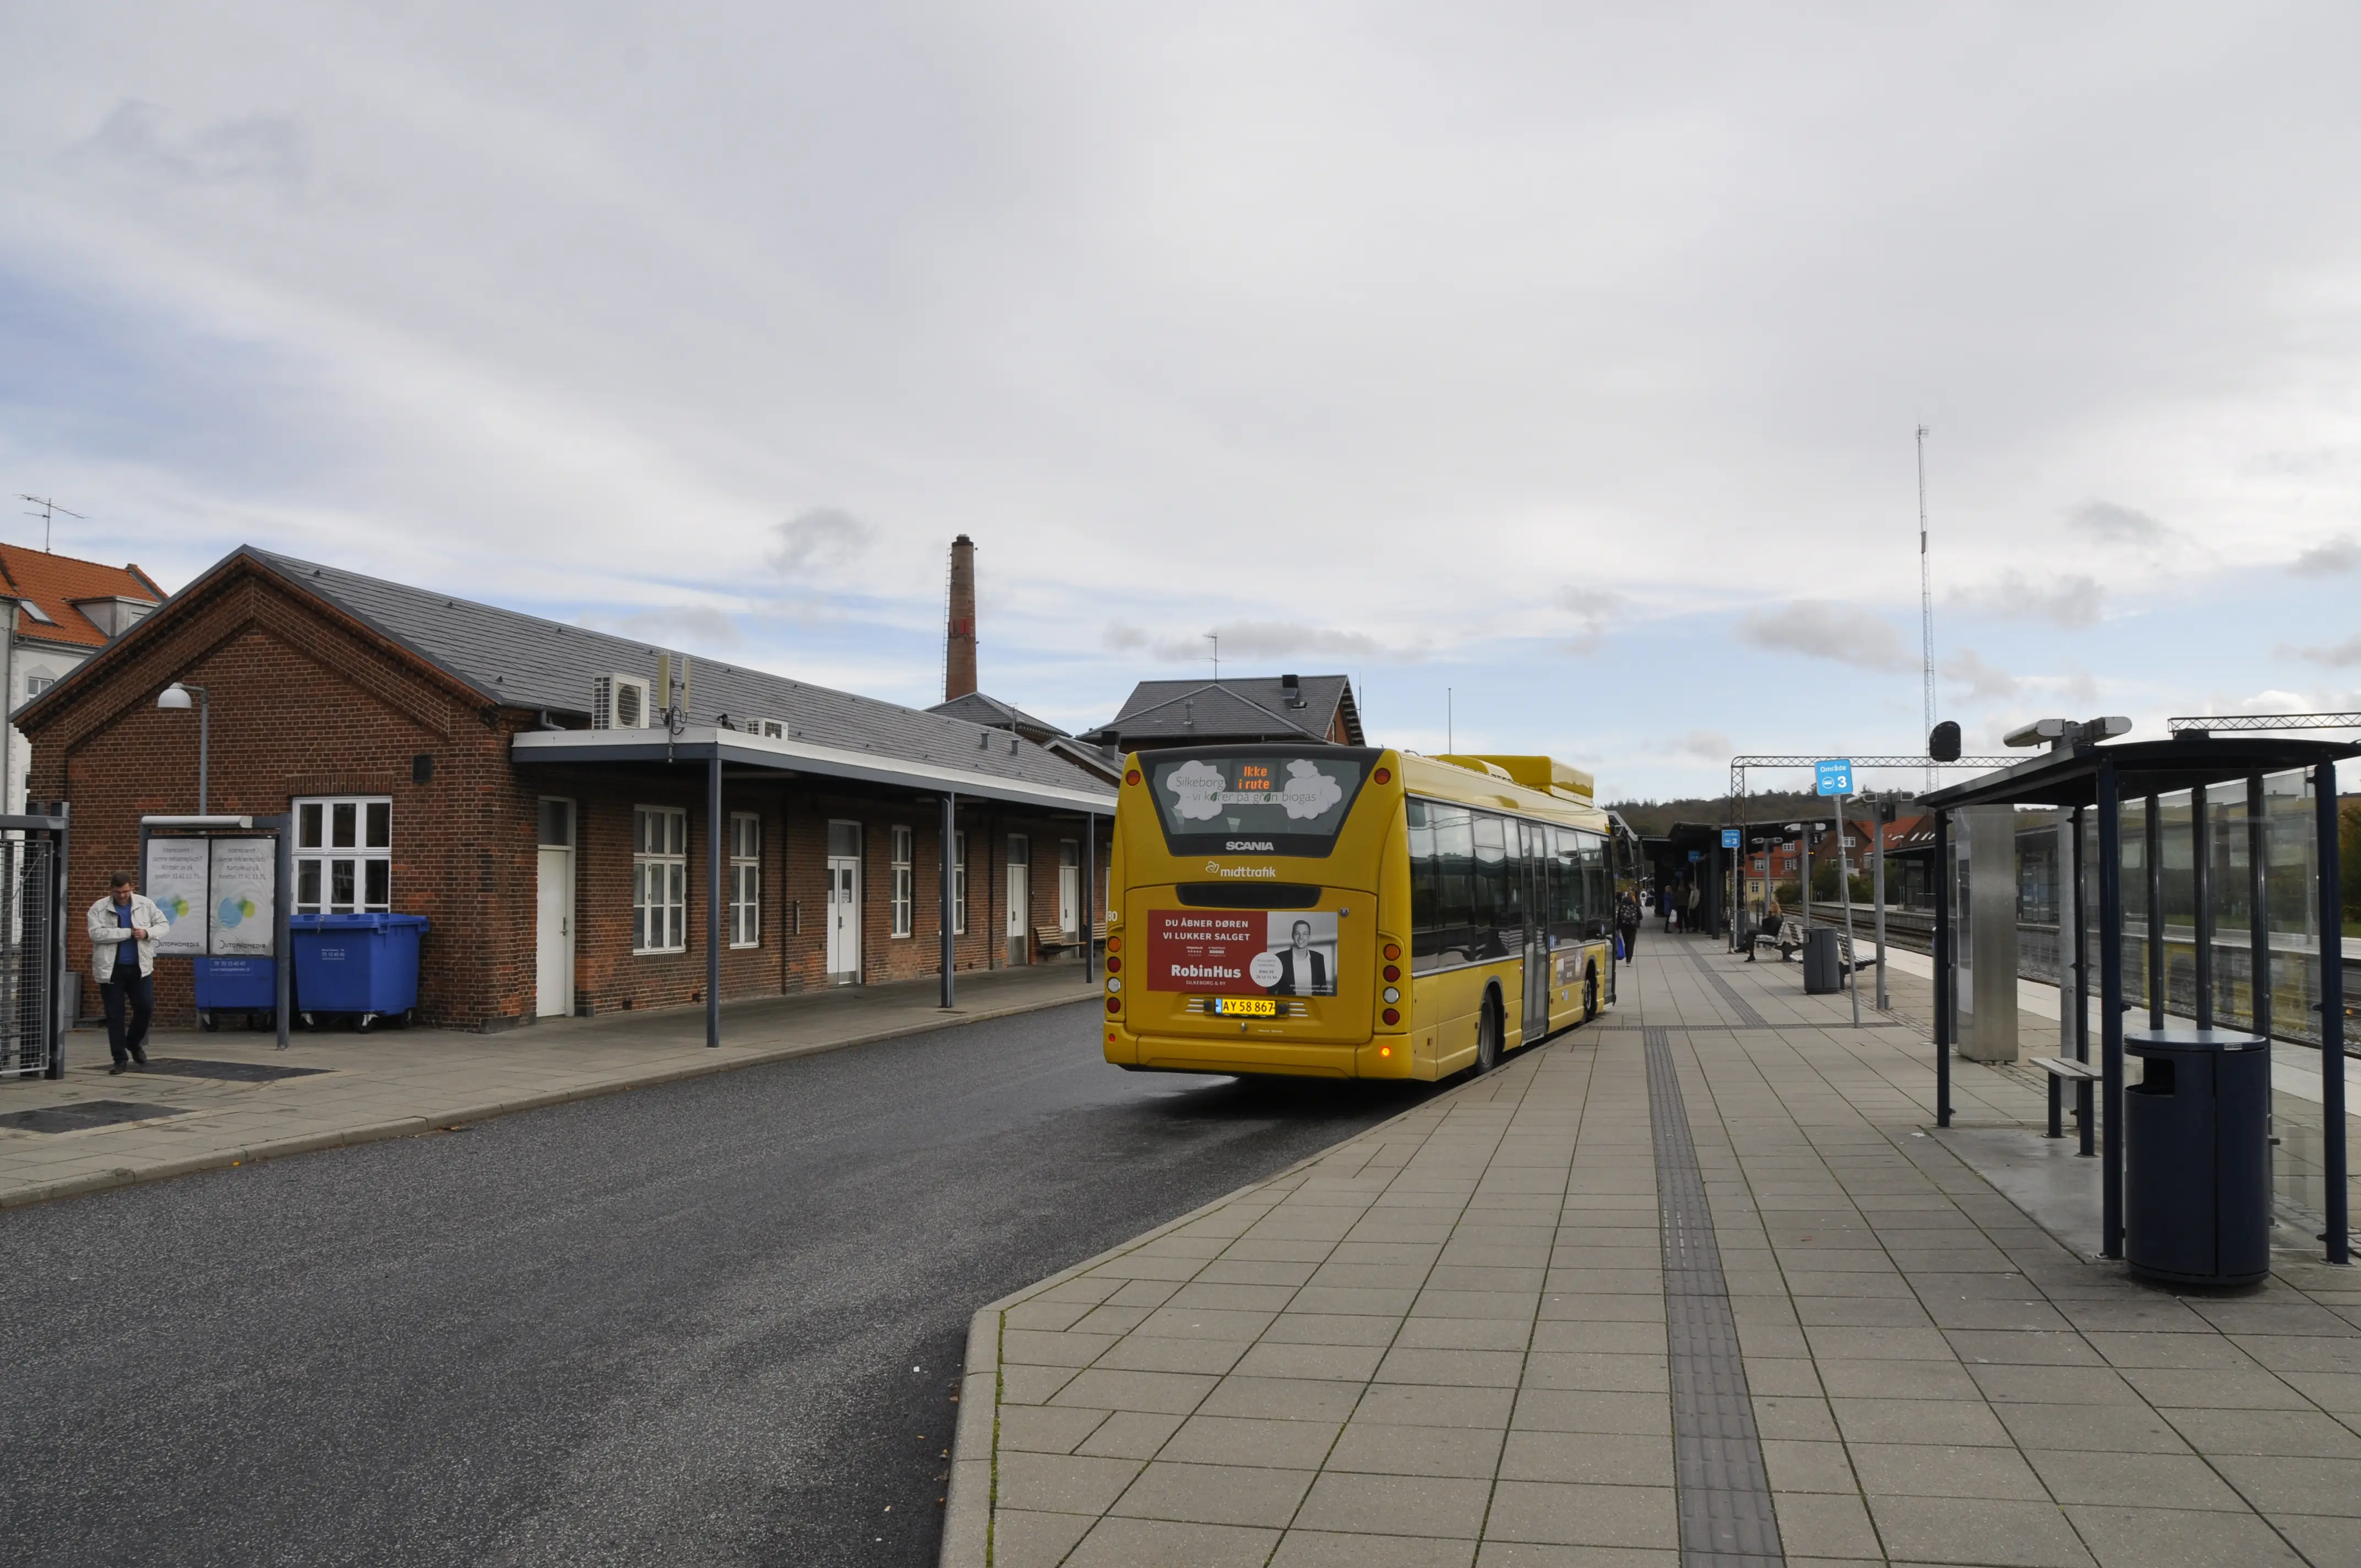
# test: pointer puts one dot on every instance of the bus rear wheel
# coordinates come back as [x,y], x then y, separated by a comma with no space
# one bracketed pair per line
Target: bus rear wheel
[1488,1036]
[1590,994]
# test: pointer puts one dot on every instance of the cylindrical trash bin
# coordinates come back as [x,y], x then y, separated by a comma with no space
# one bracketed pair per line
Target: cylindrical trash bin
[2197,1156]
[1823,967]
[364,965]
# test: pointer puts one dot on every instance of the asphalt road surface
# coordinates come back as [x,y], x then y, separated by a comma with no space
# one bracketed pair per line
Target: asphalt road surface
[712,1322]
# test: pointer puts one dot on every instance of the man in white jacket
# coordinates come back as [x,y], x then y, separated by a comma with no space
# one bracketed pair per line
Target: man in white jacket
[123,929]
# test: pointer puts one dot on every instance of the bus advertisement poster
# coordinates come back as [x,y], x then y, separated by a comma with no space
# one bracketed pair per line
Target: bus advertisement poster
[1244,953]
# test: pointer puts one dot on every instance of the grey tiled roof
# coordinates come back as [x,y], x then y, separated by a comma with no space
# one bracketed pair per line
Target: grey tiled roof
[1158,711]
[525,660]
[983,709]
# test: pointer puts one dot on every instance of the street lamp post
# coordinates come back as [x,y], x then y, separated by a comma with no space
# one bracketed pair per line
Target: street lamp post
[174,698]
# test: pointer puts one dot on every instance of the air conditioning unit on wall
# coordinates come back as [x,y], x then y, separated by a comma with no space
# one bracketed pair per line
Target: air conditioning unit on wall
[619,702]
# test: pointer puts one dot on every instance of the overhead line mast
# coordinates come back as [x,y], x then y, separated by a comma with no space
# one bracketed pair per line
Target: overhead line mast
[1925,605]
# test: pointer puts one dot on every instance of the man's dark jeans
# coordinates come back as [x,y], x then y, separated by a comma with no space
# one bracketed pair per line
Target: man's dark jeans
[139,990]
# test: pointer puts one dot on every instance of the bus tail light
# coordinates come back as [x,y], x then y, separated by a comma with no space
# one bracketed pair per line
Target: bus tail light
[1115,1004]
[1113,964]
[1383,776]
[1390,1016]
[1113,943]
[1393,952]
[1132,777]
[1392,973]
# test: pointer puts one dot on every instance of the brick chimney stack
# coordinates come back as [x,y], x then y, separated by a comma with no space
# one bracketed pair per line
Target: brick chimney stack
[959,648]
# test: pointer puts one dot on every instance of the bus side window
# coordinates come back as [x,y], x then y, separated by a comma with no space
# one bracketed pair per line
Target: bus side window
[1566,882]
[1454,881]
[1493,905]
[1597,887]
[1422,892]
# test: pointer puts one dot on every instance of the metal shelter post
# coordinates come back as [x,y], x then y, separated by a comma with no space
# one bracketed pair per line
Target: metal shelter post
[1884,815]
[2111,1013]
[1090,876]
[1945,980]
[2080,1037]
[2154,856]
[949,839]
[1844,892]
[2201,875]
[2258,924]
[713,850]
[283,936]
[2332,1016]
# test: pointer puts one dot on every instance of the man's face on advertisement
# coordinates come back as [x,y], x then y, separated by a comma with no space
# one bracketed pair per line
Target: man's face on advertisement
[1302,934]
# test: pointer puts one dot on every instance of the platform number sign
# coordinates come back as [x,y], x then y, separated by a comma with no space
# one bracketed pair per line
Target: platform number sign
[1730,838]
[1836,777]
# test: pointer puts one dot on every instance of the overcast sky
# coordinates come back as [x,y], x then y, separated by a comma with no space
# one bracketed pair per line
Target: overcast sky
[1565,358]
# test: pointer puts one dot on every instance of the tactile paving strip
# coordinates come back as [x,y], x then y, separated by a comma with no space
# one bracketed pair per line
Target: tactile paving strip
[1724,1491]
[1747,1016]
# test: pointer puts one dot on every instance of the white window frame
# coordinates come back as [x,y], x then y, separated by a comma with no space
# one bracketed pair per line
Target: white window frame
[317,853]
[958,883]
[905,883]
[746,879]
[659,879]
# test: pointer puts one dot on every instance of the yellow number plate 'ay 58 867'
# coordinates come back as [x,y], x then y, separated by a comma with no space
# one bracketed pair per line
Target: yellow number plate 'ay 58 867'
[1249,1006]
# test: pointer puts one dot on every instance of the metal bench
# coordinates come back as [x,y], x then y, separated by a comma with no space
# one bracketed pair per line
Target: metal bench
[2060,1069]
[1056,939]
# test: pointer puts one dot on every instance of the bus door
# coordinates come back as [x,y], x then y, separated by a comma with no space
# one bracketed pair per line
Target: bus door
[1534,844]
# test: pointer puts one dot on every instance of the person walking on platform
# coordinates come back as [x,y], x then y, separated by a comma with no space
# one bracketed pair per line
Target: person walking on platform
[124,928]
[1668,905]
[1627,923]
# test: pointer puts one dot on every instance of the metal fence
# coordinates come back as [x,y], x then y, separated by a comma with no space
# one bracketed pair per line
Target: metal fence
[29,949]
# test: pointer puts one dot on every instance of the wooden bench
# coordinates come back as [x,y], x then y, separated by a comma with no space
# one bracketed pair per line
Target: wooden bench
[2082,1075]
[1055,939]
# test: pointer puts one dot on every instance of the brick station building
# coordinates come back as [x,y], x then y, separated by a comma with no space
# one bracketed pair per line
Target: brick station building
[518,781]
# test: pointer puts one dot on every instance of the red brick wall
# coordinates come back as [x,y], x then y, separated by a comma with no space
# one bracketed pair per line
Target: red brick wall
[305,704]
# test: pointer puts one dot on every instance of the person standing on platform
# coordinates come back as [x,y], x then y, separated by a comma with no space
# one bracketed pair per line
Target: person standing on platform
[1627,923]
[124,928]
[1696,908]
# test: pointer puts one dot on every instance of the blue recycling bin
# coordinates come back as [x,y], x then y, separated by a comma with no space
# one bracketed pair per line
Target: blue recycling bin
[364,966]
[234,985]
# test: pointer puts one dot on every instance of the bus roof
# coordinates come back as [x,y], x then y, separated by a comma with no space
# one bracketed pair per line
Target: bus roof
[1491,781]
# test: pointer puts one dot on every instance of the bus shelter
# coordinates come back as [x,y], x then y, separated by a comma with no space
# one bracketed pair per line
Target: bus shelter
[2092,782]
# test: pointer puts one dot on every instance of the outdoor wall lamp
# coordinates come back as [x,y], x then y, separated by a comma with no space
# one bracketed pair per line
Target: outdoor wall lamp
[174,698]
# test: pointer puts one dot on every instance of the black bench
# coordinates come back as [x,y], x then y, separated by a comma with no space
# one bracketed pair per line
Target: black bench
[2083,1075]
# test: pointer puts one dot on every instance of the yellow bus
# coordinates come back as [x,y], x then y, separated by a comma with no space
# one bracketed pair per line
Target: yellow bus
[1351,912]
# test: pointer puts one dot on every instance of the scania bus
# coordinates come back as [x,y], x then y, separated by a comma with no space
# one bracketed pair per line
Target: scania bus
[1351,912]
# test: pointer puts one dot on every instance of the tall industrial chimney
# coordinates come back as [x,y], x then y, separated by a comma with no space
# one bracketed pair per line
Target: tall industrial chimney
[959,648]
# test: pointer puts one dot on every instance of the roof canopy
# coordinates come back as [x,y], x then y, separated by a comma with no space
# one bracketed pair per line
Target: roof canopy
[2143,767]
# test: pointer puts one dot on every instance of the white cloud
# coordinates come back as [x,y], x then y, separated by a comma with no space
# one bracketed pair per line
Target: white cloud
[1819,629]
[1594,611]
[2111,524]
[1984,682]
[2073,601]
[2336,656]
[2331,558]
[822,539]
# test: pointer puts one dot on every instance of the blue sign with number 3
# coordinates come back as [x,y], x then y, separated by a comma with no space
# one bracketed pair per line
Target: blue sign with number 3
[1836,777]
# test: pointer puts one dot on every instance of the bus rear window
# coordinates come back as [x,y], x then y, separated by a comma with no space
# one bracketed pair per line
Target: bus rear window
[1256,802]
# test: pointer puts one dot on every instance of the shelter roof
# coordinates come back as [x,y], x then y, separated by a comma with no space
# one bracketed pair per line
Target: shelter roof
[2142,767]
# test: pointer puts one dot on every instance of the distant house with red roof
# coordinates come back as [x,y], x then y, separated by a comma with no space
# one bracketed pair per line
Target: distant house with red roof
[66,610]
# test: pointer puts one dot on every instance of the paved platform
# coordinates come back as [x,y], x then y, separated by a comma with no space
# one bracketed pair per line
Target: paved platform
[212,1100]
[1691,1286]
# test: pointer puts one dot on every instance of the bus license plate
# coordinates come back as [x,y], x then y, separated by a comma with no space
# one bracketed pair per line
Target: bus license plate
[1249,1006]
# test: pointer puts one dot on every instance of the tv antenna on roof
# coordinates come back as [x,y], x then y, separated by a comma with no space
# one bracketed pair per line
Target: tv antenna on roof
[47,514]
[1215,638]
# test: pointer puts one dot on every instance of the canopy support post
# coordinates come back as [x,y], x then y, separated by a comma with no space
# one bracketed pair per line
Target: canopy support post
[1945,980]
[2111,1012]
[713,853]
[2332,1016]
[945,849]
